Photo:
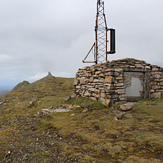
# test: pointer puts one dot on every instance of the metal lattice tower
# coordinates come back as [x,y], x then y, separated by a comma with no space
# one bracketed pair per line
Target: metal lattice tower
[100,45]
[101,33]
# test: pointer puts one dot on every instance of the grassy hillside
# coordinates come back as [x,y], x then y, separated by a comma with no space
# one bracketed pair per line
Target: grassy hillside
[95,135]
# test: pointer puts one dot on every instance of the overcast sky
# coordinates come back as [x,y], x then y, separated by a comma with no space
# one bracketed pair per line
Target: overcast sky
[37,36]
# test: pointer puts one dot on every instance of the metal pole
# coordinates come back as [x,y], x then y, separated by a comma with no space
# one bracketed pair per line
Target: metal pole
[96,35]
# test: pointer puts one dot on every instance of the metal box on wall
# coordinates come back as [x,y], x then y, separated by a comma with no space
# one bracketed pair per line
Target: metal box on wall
[134,85]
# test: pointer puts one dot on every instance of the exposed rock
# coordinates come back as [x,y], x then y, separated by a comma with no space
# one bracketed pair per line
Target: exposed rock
[85,110]
[115,119]
[93,98]
[63,108]
[8,153]
[48,111]
[156,95]
[128,116]
[31,104]
[105,102]
[115,112]
[49,75]
[71,107]
[127,106]
[2,102]
[67,98]
[120,116]
[73,95]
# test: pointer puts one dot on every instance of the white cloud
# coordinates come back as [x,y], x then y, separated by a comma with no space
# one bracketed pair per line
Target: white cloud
[36,77]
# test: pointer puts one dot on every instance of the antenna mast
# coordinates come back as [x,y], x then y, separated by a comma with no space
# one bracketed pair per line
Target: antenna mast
[100,45]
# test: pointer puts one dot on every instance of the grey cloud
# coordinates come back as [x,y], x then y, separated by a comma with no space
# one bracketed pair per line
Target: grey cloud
[38,36]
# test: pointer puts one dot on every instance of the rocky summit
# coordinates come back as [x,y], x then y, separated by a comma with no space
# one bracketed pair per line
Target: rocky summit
[49,75]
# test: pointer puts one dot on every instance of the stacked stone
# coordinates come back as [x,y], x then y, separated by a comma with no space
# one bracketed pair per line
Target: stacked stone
[105,82]
[156,82]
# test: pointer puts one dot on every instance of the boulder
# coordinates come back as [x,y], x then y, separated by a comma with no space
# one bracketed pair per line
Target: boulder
[105,102]
[128,116]
[127,106]
[53,110]
[67,98]
[2,102]
[156,95]
[120,116]
[72,107]
[31,104]
[85,110]
[93,98]
[73,95]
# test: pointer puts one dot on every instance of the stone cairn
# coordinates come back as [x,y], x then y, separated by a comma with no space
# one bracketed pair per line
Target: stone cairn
[105,82]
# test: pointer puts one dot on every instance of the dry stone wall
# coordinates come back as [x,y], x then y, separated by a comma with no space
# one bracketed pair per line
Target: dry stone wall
[105,82]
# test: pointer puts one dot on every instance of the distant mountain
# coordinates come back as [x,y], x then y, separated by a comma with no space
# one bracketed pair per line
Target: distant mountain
[47,86]
[3,92]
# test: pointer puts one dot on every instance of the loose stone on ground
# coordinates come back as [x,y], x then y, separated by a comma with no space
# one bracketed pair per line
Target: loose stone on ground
[63,108]
[127,106]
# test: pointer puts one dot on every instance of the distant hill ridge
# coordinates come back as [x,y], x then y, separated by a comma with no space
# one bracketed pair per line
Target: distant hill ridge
[21,85]
[25,83]
[47,86]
